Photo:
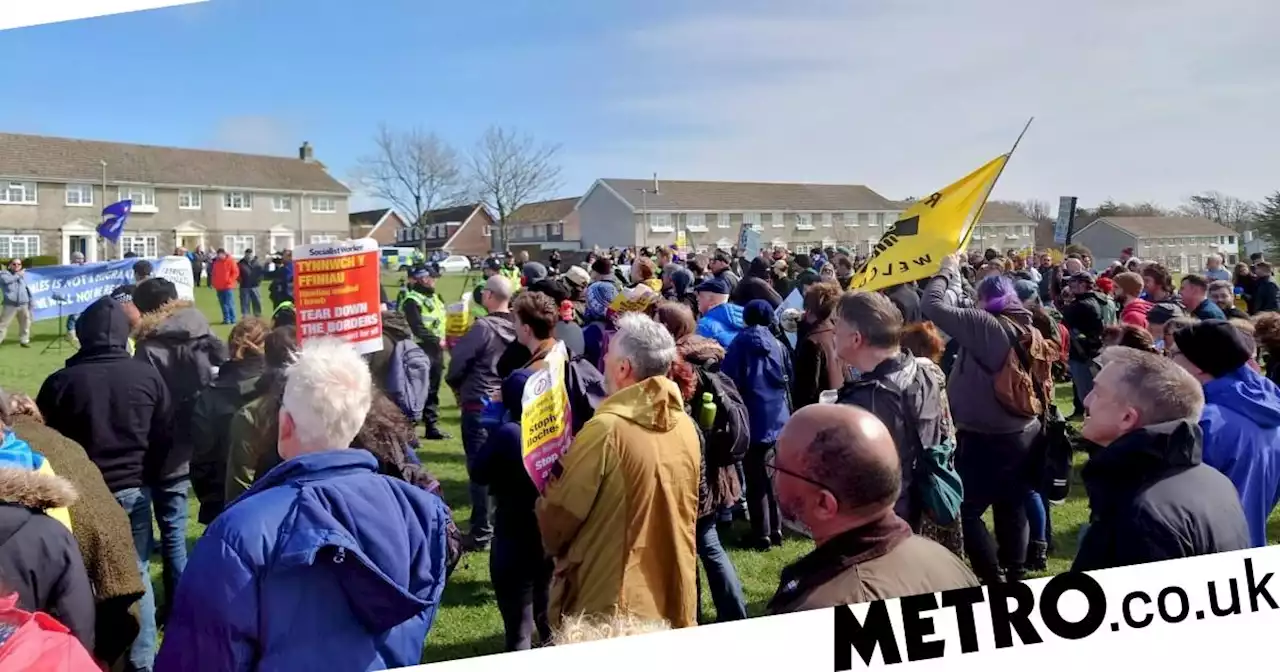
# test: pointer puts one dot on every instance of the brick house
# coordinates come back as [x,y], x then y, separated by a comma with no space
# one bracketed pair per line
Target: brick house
[52,191]
[463,229]
[380,225]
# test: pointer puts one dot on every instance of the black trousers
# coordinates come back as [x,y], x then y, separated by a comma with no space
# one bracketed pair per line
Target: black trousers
[995,469]
[762,503]
[521,580]
[435,353]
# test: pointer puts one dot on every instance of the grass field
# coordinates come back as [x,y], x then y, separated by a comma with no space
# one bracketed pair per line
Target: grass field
[468,623]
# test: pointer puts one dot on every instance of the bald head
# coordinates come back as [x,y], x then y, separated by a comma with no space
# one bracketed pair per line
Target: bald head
[846,449]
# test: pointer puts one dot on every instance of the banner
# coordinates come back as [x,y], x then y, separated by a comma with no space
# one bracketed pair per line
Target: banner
[634,300]
[546,423]
[458,318]
[748,242]
[929,230]
[336,292]
[1212,612]
[72,288]
[1062,228]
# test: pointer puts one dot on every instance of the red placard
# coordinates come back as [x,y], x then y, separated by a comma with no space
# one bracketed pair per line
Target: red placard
[336,293]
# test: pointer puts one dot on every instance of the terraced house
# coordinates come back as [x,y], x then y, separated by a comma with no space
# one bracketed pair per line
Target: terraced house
[52,191]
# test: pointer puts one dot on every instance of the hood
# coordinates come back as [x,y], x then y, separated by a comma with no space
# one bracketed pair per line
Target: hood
[760,341]
[700,351]
[242,374]
[176,320]
[1019,315]
[367,529]
[26,480]
[1248,393]
[653,403]
[1142,456]
[682,281]
[395,326]
[728,314]
[502,323]
[103,326]
[1137,307]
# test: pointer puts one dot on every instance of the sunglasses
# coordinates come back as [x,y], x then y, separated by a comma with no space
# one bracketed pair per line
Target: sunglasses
[770,468]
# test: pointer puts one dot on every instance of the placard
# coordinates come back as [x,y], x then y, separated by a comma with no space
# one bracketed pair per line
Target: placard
[336,293]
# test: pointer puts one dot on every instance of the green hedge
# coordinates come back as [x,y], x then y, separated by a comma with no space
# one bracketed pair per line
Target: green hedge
[34,262]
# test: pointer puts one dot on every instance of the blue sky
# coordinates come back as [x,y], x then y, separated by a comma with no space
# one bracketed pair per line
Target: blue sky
[901,95]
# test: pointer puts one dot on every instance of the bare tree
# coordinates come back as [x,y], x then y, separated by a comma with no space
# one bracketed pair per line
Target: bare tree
[510,169]
[415,171]
[1035,209]
[1227,210]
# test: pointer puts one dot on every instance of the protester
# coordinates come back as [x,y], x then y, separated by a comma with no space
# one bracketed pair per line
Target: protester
[619,520]
[1195,297]
[252,433]
[425,311]
[994,444]
[251,273]
[721,321]
[1267,337]
[1087,314]
[1158,317]
[567,330]
[594,627]
[1128,336]
[720,268]
[1223,296]
[1241,417]
[1266,293]
[323,504]
[907,300]
[891,385]
[225,276]
[39,559]
[37,642]
[474,379]
[1158,284]
[761,369]
[817,365]
[1150,497]
[518,568]
[142,271]
[119,409]
[197,258]
[599,323]
[1213,269]
[838,473]
[281,287]
[531,272]
[17,302]
[235,386]
[1128,294]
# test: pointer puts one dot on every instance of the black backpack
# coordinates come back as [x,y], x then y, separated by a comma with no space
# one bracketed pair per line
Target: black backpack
[730,434]
[585,387]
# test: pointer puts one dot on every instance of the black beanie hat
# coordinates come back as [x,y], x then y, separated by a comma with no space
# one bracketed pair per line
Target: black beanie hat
[1214,346]
[153,293]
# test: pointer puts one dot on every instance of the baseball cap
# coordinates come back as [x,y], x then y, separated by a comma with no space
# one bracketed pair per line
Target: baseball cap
[713,286]
[123,294]
[1163,312]
[493,264]
[1216,347]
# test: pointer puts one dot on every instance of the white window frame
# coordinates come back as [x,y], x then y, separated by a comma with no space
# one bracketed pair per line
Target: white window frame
[723,220]
[660,222]
[282,203]
[851,220]
[146,246]
[751,219]
[29,193]
[79,196]
[864,219]
[779,220]
[235,245]
[324,238]
[30,244]
[144,198]
[695,223]
[324,205]
[190,199]
[804,221]
[488,231]
[801,248]
[827,220]
[238,201]
[880,219]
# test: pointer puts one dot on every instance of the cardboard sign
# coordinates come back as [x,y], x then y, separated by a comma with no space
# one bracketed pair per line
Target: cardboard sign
[336,293]
[546,422]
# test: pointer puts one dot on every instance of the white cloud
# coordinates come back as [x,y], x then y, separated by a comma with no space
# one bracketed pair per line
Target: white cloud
[1136,100]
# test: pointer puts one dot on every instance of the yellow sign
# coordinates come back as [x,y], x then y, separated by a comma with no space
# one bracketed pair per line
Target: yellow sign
[457,320]
[682,240]
[929,230]
[634,300]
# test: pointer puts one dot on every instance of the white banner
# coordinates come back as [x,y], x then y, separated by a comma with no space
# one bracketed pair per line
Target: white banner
[23,13]
[1205,613]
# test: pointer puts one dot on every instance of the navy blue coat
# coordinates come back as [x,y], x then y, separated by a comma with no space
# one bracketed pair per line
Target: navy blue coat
[761,368]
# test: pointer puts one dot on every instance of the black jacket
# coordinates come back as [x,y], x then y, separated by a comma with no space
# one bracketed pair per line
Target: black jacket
[39,559]
[1083,316]
[251,273]
[235,386]
[909,403]
[907,300]
[115,406]
[176,340]
[1151,499]
[1266,296]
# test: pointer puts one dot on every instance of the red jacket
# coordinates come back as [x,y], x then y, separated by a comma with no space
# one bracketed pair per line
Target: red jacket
[226,273]
[1135,312]
[40,643]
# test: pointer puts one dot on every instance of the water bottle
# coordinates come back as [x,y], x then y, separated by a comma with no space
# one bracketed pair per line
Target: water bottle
[707,412]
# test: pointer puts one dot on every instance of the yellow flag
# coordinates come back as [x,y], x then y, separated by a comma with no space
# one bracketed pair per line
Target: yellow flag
[929,230]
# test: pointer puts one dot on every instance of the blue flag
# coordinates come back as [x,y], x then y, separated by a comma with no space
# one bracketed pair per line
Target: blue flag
[114,217]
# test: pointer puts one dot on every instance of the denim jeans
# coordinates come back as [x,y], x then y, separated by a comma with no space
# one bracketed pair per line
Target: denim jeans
[1081,379]
[1037,517]
[722,578]
[137,505]
[250,298]
[473,437]
[226,302]
[170,503]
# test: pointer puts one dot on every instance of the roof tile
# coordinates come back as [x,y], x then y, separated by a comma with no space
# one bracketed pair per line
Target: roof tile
[737,196]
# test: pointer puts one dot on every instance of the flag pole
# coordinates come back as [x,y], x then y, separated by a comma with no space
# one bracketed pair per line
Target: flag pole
[1008,157]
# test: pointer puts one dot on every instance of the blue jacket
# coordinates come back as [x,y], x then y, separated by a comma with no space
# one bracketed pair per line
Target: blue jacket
[1241,426]
[722,324]
[761,368]
[323,564]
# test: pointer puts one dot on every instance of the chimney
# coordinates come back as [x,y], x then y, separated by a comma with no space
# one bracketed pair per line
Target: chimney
[306,153]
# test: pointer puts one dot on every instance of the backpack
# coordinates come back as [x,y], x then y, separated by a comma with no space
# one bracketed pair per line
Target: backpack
[597,344]
[585,387]
[1024,383]
[407,377]
[730,433]
[1110,314]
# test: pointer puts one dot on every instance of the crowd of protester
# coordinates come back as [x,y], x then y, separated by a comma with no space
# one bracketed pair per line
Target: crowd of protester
[703,389]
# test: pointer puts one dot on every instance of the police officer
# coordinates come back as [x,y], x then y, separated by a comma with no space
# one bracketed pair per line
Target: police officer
[511,270]
[425,312]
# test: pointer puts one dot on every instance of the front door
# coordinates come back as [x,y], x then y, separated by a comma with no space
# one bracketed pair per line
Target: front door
[79,244]
[189,242]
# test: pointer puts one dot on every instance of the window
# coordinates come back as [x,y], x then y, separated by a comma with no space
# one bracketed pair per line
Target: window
[19,247]
[236,245]
[143,246]
[722,221]
[879,219]
[850,219]
[554,230]
[1231,240]
[827,219]
[801,248]
[189,199]
[237,200]
[488,231]
[18,193]
[80,195]
[804,222]
[323,204]
[695,223]
[281,203]
[864,219]
[142,197]
[324,238]
[281,242]
[751,219]
[779,220]
[660,223]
